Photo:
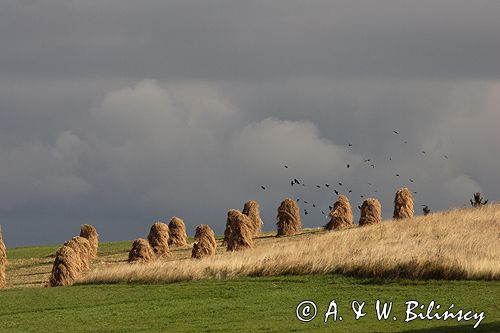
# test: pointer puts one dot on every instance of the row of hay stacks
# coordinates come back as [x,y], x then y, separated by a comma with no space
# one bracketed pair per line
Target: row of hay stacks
[457,244]
[160,239]
[242,227]
[3,260]
[73,258]
[371,211]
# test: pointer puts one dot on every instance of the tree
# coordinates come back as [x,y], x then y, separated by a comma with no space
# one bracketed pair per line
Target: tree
[478,201]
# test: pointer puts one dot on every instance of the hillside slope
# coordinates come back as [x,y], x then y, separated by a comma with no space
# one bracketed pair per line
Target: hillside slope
[458,244]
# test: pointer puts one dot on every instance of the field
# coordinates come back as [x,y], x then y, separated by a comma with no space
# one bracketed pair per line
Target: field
[450,257]
[242,305]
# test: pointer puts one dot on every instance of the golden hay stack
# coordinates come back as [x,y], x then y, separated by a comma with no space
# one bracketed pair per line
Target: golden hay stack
[242,231]
[67,267]
[251,209]
[227,231]
[403,204]
[2,277]
[83,249]
[371,212]
[177,232]
[204,242]
[158,239]
[341,214]
[141,252]
[88,231]
[3,260]
[288,218]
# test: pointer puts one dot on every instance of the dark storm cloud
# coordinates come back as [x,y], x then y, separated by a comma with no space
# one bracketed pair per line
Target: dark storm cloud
[250,40]
[118,113]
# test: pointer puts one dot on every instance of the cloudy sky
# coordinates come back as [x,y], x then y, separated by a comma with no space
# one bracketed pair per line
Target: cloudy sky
[119,113]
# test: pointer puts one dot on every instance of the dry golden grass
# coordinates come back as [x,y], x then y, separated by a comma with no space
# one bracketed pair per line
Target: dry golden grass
[459,244]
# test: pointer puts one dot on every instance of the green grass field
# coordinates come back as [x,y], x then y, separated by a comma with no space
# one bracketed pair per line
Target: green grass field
[242,305]
[265,304]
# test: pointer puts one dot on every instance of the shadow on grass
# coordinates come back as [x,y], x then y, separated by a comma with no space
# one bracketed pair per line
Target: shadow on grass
[486,327]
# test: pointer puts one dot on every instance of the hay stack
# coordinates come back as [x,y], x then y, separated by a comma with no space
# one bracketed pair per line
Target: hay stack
[88,231]
[141,252]
[288,218]
[2,277]
[227,231]
[341,214]
[83,249]
[403,204]
[251,209]
[204,242]
[370,212]
[177,232]
[242,231]
[3,260]
[158,239]
[67,267]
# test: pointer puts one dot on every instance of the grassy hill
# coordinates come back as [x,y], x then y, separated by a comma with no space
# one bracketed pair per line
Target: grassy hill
[449,257]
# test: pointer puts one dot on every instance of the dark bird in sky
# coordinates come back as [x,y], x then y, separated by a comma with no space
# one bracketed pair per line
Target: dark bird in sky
[414,192]
[348,166]
[296,181]
[286,166]
[350,191]
[305,212]
[390,158]
[445,156]
[322,212]
[291,183]
[314,205]
[350,145]
[330,207]
[370,184]
[262,187]
[395,132]
[318,186]
[340,184]
[359,207]
[397,175]
[305,202]
[327,185]
[361,196]
[336,192]
[298,199]
[368,160]
[423,152]
[411,180]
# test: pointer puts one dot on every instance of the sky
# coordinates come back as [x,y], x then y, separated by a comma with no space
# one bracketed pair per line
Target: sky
[119,113]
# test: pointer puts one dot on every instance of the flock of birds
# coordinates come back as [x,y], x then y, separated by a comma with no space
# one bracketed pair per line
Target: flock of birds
[342,188]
